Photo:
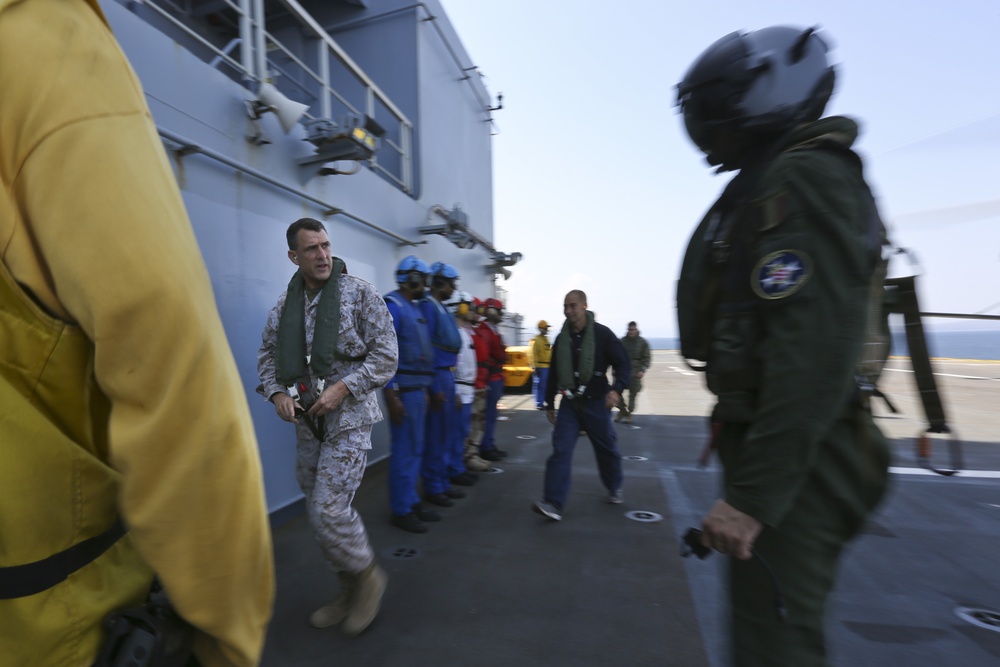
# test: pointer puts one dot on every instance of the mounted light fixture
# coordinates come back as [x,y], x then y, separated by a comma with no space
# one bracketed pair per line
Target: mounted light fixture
[269,99]
[500,263]
[355,138]
[455,227]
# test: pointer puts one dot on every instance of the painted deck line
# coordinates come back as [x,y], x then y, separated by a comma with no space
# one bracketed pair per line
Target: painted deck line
[982,474]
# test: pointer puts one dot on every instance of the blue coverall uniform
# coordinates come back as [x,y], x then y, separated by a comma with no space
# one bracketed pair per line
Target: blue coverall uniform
[412,379]
[440,420]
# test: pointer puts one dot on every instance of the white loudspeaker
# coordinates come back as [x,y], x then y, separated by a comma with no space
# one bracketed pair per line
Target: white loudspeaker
[287,111]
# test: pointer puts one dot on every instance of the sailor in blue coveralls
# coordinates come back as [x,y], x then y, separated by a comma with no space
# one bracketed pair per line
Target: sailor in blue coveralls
[406,396]
[441,411]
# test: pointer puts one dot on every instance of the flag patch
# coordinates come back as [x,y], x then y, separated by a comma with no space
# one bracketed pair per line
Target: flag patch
[781,274]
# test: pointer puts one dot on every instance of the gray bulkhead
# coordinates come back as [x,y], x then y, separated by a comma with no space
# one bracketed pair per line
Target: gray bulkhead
[240,220]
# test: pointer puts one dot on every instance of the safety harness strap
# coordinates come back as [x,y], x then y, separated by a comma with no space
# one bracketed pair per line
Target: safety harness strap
[20,581]
[908,305]
[919,355]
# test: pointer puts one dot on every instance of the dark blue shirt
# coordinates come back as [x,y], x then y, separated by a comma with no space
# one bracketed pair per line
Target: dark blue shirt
[608,351]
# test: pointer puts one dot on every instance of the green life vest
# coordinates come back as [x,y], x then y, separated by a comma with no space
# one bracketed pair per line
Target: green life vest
[568,378]
[290,356]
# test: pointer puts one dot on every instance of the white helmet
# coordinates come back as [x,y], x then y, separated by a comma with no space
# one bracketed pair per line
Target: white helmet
[457,299]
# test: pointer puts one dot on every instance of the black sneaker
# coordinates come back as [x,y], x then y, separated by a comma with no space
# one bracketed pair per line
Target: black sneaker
[491,455]
[548,510]
[425,515]
[439,499]
[409,522]
[465,479]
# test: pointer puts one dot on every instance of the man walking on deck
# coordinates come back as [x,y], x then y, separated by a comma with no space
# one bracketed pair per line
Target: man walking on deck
[637,350]
[582,353]
[779,295]
[328,346]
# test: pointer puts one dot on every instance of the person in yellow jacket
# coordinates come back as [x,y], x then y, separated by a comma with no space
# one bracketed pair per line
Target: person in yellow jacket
[541,357]
[126,445]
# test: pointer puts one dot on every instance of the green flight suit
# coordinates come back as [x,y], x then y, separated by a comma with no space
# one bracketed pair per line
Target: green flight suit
[783,337]
[639,355]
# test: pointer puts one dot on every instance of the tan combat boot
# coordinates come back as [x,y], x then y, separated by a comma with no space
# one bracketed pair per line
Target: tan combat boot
[366,600]
[336,611]
[473,462]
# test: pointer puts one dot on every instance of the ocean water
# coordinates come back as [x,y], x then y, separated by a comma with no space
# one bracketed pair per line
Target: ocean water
[951,344]
[954,344]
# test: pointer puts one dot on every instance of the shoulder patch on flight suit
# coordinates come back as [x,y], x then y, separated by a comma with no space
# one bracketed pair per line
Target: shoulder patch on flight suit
[781,274]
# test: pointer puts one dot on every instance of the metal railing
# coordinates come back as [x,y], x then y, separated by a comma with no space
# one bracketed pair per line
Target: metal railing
[308,79]
[182,147]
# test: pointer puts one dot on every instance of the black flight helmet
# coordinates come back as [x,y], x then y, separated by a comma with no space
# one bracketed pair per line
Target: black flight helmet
[748,89]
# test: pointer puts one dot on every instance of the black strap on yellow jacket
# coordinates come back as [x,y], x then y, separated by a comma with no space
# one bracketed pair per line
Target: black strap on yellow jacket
[20,581]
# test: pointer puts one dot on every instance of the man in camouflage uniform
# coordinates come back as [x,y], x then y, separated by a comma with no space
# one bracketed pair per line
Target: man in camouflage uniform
[333,408]
[778,296]
[637,350]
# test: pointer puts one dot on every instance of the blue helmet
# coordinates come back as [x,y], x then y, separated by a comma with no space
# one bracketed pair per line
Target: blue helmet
[410,264]
[440,269]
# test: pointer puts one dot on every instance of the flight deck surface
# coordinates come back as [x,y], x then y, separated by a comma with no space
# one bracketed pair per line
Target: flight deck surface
[495,584]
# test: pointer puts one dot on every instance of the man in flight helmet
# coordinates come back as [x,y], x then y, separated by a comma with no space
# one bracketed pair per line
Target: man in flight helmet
[773,300]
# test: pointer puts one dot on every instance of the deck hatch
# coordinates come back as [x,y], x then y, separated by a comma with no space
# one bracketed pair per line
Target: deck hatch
[402,552]
[982,618]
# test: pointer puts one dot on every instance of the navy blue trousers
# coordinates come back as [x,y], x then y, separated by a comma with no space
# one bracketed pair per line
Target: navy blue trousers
[540,380]
[575,415]
[438,435]
[406,453]
[494,390]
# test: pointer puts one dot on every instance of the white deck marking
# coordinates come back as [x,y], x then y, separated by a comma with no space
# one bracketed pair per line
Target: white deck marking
[987,474]
[947,375]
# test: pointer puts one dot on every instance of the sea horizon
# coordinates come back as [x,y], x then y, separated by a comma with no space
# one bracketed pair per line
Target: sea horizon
[983,345]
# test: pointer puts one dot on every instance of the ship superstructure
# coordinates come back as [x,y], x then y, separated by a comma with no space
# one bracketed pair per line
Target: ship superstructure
[366,114]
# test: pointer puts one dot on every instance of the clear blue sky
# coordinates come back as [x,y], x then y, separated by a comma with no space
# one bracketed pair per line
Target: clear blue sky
[598,186]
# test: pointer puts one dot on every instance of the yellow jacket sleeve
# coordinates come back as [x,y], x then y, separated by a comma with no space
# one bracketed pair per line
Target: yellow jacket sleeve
[97,231]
